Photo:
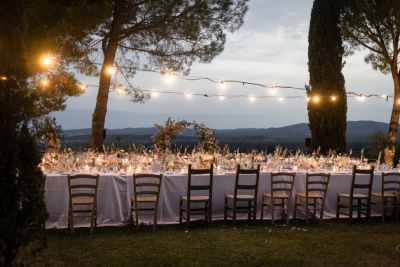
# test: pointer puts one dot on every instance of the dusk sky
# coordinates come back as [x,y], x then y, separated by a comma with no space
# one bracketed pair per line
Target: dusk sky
[270,48]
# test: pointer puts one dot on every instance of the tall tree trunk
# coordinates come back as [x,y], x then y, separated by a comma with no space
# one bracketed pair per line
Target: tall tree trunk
[110,45]
[99,114]
[394,118]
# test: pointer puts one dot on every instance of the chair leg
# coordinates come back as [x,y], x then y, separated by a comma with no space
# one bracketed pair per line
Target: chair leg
[351,210]
[137,219]
[249,211]
[210,212]
[383,208]
[315,208]
[155,220]
[225,209]
[206,211]
[307,210]
[255,211]
[321,214]
[262,208]
[188,214]
[180,211]
[396,207]
[272,211]
[359,209]
[234,212]
[287,209]
[295,207]
[337,207]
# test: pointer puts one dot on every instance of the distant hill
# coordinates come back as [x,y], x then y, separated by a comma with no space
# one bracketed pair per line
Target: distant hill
[358,132]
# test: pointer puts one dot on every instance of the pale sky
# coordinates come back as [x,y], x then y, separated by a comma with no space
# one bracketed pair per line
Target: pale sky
[270,48]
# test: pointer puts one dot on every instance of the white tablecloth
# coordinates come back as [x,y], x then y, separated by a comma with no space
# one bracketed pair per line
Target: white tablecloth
[115,192]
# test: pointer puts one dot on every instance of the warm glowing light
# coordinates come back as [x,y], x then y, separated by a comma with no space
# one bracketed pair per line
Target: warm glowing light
[169,77]
[47,61]
[384,96]
[222,85]
[3,78]
[154,94]
[272,90]
[120,90]
[361,98]
[252,99]
[188,95]
[221,97]
[110,70]
[44,82]
[281,99]
[398,101]
[316,99]
[333,98]
[308,99]
[83,87]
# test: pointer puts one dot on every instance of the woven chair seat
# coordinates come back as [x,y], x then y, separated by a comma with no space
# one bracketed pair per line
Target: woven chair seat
[356,196]
[240,197]
[145,199]
[82,200]
[386,194]
[277,195]
[196,198]
[310,195]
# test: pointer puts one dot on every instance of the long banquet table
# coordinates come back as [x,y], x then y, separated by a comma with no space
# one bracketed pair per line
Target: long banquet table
[116,190]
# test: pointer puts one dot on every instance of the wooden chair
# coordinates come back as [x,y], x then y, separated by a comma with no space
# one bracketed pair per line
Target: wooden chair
[185,208]
[232,200]
[314,197]
[388,198]
[146,197]
[281,192]
[82,198]
[355,201]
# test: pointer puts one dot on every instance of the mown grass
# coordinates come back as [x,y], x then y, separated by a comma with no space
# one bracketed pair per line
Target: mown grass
[326,244]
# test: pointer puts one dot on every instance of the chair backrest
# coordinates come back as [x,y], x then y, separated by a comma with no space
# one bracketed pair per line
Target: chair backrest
[83,185]
[147,184]
[362,186]
[248,186]
[391,182]
[192,173]
[282,182]
[317,182]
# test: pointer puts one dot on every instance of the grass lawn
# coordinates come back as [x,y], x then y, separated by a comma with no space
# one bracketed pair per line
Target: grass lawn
[326,244]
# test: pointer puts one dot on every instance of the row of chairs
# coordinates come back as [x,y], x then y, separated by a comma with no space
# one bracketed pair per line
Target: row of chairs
[244,199]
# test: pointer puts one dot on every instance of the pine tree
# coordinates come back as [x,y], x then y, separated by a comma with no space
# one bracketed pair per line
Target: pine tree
[327,104]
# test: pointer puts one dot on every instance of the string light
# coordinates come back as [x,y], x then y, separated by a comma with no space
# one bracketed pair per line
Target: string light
[252,99]
[110,70]
[221,97]
[188,95]
[47,61]
[361,98]
[308,99]
[281,99]
[154,94]
[333,98]
[222,85]
[3,78]
[316,99]
[82,87]
[120,90]
[398,101]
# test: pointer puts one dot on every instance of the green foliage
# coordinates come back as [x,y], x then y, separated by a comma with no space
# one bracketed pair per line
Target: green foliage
[375,26]
[22,207]
[378,142]
[313,245]
[167,133]
[325,51]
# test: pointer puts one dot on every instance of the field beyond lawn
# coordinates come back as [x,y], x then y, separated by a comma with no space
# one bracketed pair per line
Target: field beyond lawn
[325,244]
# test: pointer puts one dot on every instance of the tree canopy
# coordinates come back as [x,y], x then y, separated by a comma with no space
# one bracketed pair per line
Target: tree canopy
[375,26]
[164,35]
